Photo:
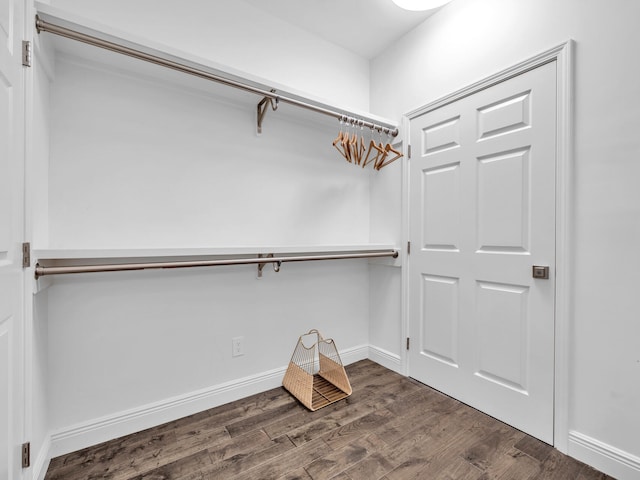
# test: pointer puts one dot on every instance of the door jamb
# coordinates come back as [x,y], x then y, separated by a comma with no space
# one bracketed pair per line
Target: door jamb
[563,56]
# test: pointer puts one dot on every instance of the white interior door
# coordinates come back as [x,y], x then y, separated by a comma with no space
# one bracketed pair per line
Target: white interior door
[11,233]
[482,213]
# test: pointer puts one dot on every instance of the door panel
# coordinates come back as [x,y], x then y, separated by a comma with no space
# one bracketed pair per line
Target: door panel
[482,212]
[502,334]
[11,232]
[441,207]
[503,202]
[440,318]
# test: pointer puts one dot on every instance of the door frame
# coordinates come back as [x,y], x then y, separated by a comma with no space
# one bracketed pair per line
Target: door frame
[563,56]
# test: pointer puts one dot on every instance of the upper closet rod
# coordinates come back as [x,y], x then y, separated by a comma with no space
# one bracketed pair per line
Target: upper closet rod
[44,26]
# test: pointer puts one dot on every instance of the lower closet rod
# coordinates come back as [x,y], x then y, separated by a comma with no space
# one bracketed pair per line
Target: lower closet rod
[41,271]
[44,26]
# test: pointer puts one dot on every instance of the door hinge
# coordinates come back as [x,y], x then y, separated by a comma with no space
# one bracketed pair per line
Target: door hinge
[408,151]
[26,255]
[26,455]
[408,248]
[26,53]
[407,343]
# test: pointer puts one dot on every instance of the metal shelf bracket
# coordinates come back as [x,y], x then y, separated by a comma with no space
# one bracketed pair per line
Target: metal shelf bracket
[262,109]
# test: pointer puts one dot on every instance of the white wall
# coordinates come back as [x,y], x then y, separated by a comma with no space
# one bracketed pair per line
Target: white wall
[468,40]
[136,162]
[385,329]
[238,35]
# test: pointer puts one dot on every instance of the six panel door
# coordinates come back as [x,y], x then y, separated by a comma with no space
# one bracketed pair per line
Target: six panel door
[482,213]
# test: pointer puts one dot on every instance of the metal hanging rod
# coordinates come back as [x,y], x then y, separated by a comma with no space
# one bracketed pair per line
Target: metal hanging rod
[45,26]
[41,271]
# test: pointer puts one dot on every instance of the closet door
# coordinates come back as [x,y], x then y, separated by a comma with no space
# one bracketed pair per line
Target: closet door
[11,233]
[482,183]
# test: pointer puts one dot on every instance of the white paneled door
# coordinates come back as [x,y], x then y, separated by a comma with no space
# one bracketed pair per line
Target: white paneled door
[482,214]
[11,234]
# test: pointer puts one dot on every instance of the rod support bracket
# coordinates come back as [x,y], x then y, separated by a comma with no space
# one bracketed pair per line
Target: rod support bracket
[263,105]
[261,265]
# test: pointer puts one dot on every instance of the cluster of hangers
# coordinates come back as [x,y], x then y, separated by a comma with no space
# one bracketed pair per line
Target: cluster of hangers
[355,149]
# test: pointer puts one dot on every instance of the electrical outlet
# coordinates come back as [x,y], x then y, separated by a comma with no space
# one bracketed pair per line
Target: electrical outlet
[237,346]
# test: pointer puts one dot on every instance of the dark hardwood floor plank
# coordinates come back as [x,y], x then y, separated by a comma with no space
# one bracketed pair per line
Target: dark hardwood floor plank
[302,418]
[241,445]
[373,466]
[412,414]
[352,431]
[490,447]
[557,465]
[448,467]
[534,448]
[238,465]
[177,469]
[432,447]
[514,464]
[299,474]
[337,461]
[263,419]
[341,476]
[288,461]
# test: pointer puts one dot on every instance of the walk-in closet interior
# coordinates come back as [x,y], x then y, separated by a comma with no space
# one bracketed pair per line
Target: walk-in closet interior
[205,181]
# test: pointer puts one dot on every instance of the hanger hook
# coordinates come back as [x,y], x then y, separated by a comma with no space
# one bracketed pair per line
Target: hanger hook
[276,266]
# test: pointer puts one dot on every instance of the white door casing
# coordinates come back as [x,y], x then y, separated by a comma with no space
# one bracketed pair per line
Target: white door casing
[482,212]
[11,233]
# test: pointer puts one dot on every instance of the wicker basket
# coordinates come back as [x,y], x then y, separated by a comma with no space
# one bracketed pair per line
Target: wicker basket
[315,374]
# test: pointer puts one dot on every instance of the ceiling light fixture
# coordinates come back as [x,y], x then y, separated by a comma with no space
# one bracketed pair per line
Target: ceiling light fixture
[417,5]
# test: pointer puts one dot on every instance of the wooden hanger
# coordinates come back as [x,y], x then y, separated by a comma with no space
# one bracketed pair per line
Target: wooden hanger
[383,162]
[361,149]
[377,152]
[338,142]
[356,145]
[374,150]
[346,145]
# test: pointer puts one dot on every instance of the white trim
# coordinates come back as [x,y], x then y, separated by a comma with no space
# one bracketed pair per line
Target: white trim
[564,241]
[404,289]
[606,458]
[563,56]
[41,464]
[385,358]
[92,432]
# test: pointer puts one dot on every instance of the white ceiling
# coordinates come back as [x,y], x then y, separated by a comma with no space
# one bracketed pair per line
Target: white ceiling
[364,27]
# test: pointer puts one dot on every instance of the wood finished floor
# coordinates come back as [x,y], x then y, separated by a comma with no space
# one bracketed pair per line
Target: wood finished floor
[390,428]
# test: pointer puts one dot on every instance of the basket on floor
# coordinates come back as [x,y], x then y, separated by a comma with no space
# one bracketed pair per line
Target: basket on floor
[315,374]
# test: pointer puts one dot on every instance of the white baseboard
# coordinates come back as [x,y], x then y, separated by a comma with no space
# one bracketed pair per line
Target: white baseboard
[385,358]
[606,458]
[100,430]
[41,463]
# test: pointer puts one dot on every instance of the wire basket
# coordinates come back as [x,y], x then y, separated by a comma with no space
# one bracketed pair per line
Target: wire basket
[315,375]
